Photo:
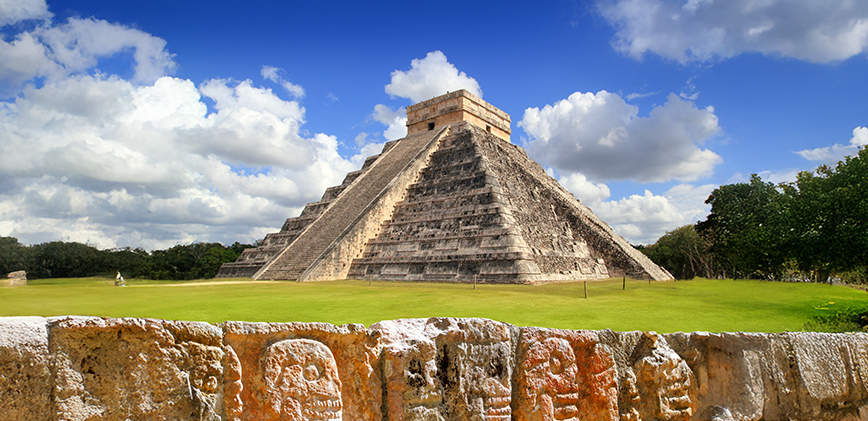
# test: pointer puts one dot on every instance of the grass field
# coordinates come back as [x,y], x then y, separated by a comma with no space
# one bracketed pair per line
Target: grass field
[710,305]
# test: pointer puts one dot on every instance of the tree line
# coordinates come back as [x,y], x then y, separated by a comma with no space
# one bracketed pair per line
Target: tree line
[815,228]
[59,259]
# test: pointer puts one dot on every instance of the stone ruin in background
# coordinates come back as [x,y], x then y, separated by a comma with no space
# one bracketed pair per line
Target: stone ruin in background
[13,279]
[438,369]
[453,201]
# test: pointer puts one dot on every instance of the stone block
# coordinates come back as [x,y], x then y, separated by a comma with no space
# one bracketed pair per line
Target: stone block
[301,371]
[564,375]
[654,381]
[15,279]
[447,369]
[25,379]
[136,369]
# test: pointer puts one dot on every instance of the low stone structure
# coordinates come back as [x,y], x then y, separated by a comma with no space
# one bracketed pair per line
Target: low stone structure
[15,279]
[454,201]
[90,368]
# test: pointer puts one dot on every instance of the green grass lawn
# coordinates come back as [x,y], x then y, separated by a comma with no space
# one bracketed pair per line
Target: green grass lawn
[710,305]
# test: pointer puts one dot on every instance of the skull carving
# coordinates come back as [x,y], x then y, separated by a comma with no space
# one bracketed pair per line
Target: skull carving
[482,369]
[549,376]
[301,377]
[417,390]
[491,380]
[665,383]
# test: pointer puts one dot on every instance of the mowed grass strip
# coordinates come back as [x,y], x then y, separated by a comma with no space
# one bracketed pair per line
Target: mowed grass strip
[700,304]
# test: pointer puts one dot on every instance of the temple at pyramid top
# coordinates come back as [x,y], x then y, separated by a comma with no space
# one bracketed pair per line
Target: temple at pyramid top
[454,107]
[450,202]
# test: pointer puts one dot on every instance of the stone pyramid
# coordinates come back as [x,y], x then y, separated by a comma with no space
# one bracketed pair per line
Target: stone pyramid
[454,201]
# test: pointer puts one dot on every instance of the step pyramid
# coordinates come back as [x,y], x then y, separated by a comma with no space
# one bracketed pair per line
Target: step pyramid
[453,201]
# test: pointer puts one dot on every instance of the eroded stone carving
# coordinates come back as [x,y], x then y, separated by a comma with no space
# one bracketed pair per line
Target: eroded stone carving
[564,375]
[416,392]
[447,369]
[301,377]
[439,369]
[550,374]
[302,371]
[659,384]
[135,369]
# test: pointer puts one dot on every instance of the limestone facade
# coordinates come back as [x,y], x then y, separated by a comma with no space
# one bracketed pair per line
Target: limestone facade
[443,369]
[454,107]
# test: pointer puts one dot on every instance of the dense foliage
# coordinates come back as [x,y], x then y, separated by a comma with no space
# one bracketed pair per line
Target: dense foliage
[851,319]
[72,260]
[683,253]
[815,228]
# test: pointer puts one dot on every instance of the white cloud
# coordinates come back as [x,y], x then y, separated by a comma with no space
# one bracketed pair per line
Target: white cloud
[75,47]
[273,74]
[830,155]
[78,44]
[642,219]
[396,120]
[601,136]
[430,77]
[13,11]
[586,191]
[700,30]
[100,159]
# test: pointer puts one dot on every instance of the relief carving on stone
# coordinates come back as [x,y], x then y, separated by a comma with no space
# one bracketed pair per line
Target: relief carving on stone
[659,384]
[416,393]
[564,375]
[301,371]
[447,369]
[301,379]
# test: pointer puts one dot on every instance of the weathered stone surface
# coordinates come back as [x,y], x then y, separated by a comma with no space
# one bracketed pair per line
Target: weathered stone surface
[655,382]
[15,279]
[438,369]
[447,369]
[25,380]
[453,201]
[754,376]
[301,371]
[135,369]
[564,375]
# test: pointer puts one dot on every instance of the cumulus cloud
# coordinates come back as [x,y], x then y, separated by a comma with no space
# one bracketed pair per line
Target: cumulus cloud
[429,77]
[601,136]
[14,11]
[700,30]
[75,47]
[396,120]
[832,154]
[643,218]
[100,159]
[273,74]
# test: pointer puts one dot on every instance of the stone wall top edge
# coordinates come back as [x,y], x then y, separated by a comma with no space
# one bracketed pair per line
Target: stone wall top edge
[354,327]
[460,93]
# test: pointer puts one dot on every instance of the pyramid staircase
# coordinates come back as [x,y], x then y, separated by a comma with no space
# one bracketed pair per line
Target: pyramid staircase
[453,201]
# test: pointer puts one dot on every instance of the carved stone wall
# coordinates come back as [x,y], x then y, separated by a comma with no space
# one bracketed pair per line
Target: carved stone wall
[438,369]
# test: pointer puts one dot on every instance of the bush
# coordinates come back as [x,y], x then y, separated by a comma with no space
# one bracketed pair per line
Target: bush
[854,319]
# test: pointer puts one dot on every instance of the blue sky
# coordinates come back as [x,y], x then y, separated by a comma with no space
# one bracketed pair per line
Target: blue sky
[149,124]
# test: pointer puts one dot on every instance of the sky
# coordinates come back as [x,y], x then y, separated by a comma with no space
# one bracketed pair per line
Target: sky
[152,124]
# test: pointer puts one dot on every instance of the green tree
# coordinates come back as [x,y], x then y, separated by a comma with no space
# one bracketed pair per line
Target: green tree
[747,228]
[684,253]
[207,266]
[12,255]
[829,217]
[192,261]
[63,260]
